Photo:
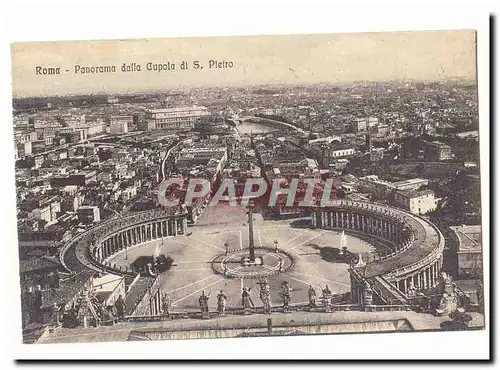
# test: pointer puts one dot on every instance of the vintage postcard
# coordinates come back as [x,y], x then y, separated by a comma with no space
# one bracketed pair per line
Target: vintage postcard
[248,186]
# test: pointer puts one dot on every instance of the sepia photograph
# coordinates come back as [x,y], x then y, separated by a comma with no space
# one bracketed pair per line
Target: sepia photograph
[248,186]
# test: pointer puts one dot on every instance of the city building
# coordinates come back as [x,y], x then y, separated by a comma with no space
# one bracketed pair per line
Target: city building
[45,209]
[294,168]
[359,125]
[341,151]
[374,185]
[377,154]
[71,203]
[204,156]
[24,148]
[417,202]
[81,179]
[128,193]
[105,177]
[39,274]
[470,251]
[437,151]
[120,124]
[183,118]
[88,214]
[410,184]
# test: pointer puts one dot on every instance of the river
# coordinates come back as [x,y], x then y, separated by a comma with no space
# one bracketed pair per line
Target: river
[246,128]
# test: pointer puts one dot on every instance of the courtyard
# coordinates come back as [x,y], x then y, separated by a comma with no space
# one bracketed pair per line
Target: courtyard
[193,255]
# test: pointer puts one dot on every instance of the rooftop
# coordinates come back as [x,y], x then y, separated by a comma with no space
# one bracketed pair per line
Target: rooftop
[110,280]
[414,193]
[438,144]
[469,237]
[418,321]
[410,182]
[341,146]
[36,264]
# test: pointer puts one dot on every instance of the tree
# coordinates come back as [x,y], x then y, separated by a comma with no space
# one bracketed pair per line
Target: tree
[70,319]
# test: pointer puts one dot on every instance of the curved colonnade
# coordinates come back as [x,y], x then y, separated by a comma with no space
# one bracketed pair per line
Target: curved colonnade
[93,249]
[414,254]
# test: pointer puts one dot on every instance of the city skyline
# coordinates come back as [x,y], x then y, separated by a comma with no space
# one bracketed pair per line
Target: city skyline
[451,80]
[364,57]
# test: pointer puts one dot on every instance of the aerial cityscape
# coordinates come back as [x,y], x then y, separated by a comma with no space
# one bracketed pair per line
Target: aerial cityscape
[397,247]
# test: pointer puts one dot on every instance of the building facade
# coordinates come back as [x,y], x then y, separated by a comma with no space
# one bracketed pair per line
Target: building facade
[89,214]
[175,119]
[39,274]
[417,202]
[470,251]
[437,151]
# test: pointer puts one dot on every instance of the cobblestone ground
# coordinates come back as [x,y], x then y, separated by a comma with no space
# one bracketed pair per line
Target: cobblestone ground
[191,272]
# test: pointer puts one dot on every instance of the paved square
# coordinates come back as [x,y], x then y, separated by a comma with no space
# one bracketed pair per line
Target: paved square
[192,273]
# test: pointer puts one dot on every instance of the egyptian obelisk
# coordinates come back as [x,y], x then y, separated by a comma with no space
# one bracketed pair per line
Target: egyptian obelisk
[251,246]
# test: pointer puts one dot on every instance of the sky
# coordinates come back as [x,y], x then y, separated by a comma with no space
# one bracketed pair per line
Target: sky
[257,60]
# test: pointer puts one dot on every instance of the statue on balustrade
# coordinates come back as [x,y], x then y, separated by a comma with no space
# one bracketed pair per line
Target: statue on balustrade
[286,292]
[447,304]
[183,208]
[312,296]
[367,294]
[203,301]
[412,292]
[265,295]
[221,303]
[327,292]
[449,299]
[480,296]
[327,298]
[165,304]
[246,300]
[448,283]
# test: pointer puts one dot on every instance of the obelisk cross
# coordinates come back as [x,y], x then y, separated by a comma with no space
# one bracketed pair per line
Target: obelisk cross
[251,247]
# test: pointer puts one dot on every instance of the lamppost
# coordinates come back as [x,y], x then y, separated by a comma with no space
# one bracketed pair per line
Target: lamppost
[275,245]
[226,245]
